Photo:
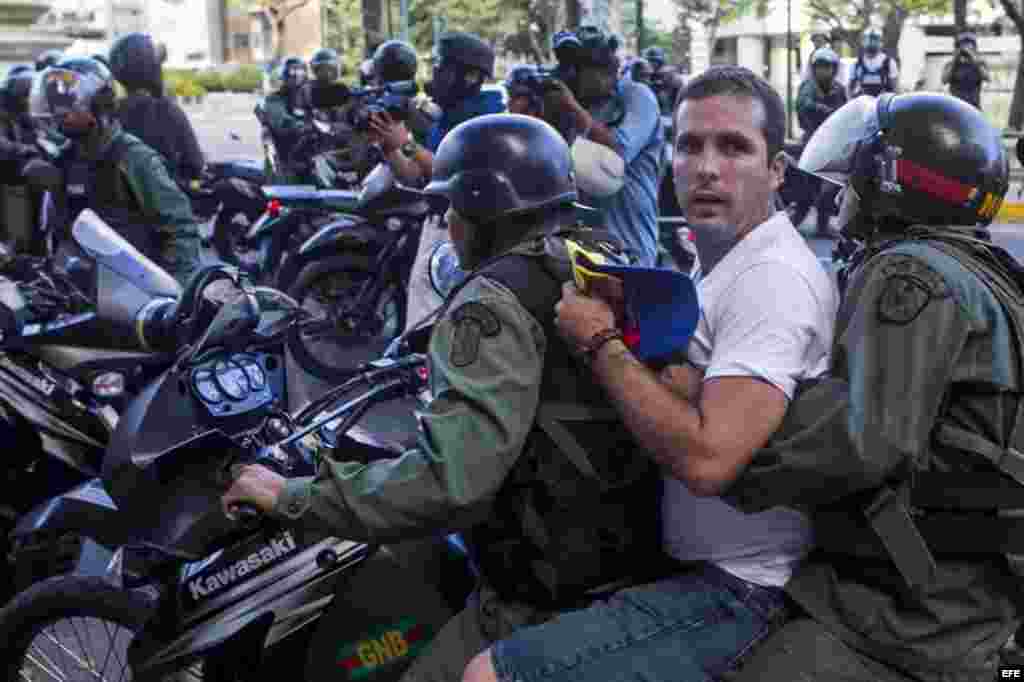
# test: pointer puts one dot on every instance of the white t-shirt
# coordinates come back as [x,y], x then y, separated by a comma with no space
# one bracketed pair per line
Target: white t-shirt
[767,310]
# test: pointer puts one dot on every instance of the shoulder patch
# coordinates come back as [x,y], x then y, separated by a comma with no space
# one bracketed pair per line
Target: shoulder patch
[471,321]
[916,269]
[902,300]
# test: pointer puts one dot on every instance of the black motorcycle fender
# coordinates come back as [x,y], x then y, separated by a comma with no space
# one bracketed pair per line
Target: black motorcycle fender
[345,233]
[352,241]
[86,509]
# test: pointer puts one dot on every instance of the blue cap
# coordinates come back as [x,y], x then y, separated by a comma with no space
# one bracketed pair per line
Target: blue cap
[661,305]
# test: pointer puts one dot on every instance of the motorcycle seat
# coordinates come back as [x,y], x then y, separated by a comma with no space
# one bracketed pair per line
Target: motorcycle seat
[291,193]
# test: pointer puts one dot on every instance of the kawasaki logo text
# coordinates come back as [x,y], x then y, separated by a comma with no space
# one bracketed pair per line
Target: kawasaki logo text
[206,585]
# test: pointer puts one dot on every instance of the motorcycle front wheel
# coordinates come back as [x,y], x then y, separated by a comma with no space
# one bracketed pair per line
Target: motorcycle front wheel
[341,334]
[70,628]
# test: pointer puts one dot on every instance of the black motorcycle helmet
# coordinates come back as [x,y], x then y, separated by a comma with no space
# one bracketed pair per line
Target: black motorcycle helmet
[75,96]
[655,57]
[394,61]
[292,73]
[965,39]
[48,58]
[135,62]
[919,158]
[465,49]
[325,65]
[461,63]
[15,88]
[495,168]
[587,45]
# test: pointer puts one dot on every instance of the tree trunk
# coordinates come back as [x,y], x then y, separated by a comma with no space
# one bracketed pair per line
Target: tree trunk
[960,15]
[279,30]
[892,30]
[1017,104]
[373,24]
[573,13]
[682,40]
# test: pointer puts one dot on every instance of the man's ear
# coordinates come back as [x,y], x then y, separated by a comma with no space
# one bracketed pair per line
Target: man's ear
[778,169]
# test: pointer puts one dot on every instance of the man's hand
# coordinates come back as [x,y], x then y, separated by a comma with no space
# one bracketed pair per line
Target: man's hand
[256,485]
[387,132]
[578,317]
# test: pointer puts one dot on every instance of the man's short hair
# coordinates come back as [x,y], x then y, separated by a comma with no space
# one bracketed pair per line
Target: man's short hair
[742,82]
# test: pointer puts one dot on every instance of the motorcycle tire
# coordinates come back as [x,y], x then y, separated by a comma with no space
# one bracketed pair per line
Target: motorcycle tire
[63,597]
[352,272]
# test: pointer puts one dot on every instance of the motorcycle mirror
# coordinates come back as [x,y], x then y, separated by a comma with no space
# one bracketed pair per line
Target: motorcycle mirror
[239,313]
[445,271]
[328,96]
[403,88]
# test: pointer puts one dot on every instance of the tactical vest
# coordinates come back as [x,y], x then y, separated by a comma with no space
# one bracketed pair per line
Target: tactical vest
[580,510]
[932,513]
[875,82]
[965,81]
[101,185]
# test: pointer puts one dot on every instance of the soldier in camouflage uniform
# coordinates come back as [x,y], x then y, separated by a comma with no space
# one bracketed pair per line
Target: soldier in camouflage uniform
[905,457]
[109,171]
[495,457]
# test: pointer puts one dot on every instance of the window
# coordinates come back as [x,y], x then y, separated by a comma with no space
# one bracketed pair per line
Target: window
[240,41]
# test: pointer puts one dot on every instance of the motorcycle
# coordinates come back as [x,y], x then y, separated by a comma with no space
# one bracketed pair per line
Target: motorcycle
[228,191]
[67,373]
[353,274]
[174,585]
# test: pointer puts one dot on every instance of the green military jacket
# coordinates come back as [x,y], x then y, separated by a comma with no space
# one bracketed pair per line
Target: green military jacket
[161,198]
[486,357]
[284,125]
[917,337]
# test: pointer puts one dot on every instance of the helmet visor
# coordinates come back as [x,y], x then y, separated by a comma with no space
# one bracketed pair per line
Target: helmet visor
[57,92]
[833,147]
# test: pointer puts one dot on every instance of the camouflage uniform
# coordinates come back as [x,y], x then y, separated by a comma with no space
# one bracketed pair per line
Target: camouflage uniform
[487,464]
[921,344]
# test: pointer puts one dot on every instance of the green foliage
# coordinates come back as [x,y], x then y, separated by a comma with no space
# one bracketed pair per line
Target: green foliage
[343,31]
[210,80]
[849,19]
[246,78]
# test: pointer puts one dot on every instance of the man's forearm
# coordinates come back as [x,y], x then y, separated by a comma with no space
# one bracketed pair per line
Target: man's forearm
[661,419]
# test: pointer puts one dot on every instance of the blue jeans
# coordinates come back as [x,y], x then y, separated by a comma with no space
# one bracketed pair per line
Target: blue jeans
[688,628]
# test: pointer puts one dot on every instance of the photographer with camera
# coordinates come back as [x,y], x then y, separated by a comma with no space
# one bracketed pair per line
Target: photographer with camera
[461,64]
[620,115]
[966,71]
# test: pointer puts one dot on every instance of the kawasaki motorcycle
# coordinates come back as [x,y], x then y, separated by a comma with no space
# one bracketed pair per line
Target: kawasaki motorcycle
[172,585]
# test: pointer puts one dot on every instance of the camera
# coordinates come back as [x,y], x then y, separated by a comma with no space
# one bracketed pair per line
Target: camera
[392,98]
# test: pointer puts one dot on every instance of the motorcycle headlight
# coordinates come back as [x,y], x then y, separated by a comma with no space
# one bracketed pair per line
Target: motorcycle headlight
[445,272]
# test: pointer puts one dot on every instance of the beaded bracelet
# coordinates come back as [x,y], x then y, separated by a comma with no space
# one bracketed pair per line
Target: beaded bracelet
[598,340]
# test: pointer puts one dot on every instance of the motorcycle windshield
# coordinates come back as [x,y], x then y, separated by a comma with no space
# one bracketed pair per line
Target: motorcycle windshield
[833,147]
[104,246]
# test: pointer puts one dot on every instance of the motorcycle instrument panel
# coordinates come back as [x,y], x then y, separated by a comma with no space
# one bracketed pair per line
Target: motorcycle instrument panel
[229,386]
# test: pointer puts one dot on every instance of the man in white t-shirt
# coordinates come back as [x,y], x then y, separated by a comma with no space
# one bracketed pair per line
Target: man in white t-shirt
[768,309]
